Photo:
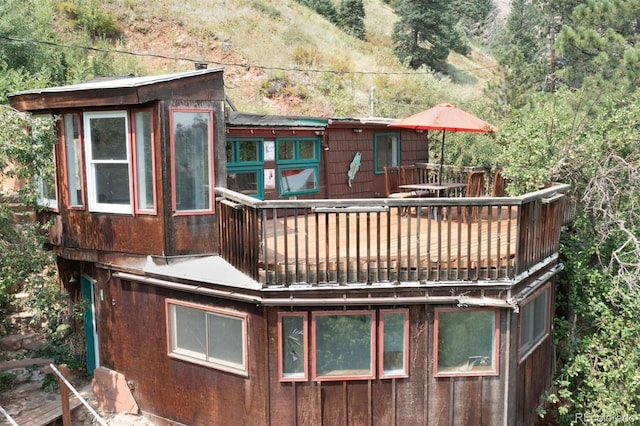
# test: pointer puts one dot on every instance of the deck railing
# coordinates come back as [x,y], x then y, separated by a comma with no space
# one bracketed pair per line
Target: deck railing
[455,240]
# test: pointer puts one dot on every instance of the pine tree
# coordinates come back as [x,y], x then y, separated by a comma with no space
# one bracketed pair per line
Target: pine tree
[424,32]
[600,43]
[522,54]
[352,17]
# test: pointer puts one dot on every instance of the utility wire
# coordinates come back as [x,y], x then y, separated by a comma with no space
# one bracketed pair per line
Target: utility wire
[225,64]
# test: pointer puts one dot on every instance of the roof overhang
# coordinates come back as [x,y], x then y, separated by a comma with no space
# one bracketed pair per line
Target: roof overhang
[100,92]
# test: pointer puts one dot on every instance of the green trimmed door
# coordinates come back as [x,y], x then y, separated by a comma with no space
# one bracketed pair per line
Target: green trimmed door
[90,334]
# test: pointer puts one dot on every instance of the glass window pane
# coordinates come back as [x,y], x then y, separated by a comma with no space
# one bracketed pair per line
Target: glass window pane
[144,164]
[394,343]
[466,341]
[343,345]
[248,151]
[73,158]
[112,183]
[188,335]
[108,138]
[307,150]
[226,339]
[534,322]
[298,180]
[540,315]
[231,157]
[191,153]
[47,190]
[286,150]
[244,182]
[386,151]
[293,361]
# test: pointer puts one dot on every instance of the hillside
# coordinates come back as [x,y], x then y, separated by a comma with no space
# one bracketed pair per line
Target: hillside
[274,54]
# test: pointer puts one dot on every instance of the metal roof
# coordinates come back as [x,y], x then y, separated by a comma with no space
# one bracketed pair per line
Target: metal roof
[116,83]
[238,119]
[206,269]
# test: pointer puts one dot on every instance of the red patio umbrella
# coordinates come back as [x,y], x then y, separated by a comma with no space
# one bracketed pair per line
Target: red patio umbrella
[444,117]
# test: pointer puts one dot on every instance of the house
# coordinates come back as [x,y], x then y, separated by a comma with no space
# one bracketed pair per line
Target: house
[243,269]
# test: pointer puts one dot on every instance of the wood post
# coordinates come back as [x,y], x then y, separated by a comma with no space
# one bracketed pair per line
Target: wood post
[64,396]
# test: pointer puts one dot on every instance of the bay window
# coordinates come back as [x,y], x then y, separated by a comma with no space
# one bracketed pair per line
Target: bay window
[192,149]
[73,159]
[108,161]
[144,164]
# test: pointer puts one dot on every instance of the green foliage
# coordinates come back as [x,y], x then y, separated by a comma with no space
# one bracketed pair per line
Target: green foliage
[5,380]
[474,15]
[424,33]
[26,147]
[22,21]
[599,44]
[323,8]
[351,17]
[522,53]
[91,18]
[588,139]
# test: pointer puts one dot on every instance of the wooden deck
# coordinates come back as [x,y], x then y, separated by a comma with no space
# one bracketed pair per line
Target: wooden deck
[452,240]
[390,245]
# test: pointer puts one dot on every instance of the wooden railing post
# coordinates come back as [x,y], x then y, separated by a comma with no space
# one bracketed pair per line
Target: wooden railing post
[64,396]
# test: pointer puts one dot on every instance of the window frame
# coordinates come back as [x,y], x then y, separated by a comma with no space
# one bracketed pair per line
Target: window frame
[537,341]
[298,163]
[257,167]
[305,342]
[495,367]
[222,366]
[371,375]
[79,153]
[211,182]
[134,161]
[395,154]
[92,197]
[405,356]
[42,200]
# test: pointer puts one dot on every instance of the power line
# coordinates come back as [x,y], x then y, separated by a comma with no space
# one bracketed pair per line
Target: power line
[224,64]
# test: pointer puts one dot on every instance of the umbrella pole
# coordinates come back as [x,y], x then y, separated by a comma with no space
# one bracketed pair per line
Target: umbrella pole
[427,132]
[441,159]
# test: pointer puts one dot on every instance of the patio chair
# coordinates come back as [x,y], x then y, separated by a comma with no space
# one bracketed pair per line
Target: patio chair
[475,188]
[497,187]
[409,176]
[392,180]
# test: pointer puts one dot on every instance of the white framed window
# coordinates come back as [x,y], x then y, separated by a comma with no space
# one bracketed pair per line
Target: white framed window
[192,165]
[534,322]
[466,342]
[73,159]
[108,160]
[144,162]
[208,336]
[47,184]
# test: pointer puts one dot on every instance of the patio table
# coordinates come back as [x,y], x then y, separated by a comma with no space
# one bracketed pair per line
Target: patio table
[435,188]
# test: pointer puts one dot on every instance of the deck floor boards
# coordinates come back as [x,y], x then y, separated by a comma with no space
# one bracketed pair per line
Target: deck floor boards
[392,238]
